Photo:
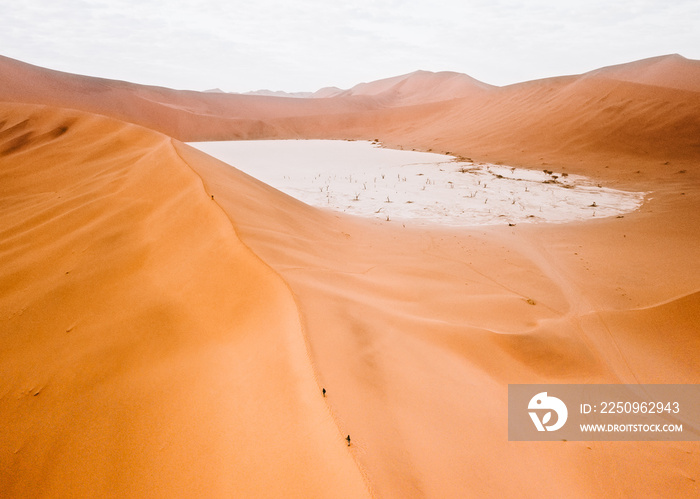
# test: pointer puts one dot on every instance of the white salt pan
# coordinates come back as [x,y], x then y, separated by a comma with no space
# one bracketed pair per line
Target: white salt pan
[362,178]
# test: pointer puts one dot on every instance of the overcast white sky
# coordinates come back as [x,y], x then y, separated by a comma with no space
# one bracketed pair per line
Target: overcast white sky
[297,45]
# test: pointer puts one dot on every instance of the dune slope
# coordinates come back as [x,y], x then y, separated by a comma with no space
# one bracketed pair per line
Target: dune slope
[416,334]
[186,115]
[670,71]
[144,350]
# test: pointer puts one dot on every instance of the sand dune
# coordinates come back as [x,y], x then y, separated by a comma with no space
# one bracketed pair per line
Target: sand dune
[145,351]
[671,71]
[573,119]
[156,340]
[185,115]
[419,87]
[580,124]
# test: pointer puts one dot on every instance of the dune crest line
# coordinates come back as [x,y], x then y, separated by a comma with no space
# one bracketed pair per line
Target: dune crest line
[301,329]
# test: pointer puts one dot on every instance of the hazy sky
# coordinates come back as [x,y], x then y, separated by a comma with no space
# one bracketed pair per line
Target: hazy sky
[298,45]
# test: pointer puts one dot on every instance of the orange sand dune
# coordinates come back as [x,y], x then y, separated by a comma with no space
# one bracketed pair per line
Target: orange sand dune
[572,123]
[186,115]
[419,87]
[190,115]
[157,340]
[671,71]
[600,116]
[144,350]
[416,334]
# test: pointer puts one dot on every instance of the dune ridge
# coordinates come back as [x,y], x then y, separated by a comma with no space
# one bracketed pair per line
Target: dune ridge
[670,71]
[571,119]
[132,367]
[418,87]
[178,113]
